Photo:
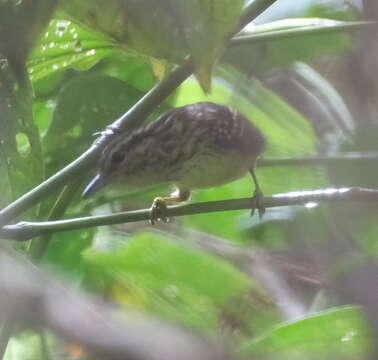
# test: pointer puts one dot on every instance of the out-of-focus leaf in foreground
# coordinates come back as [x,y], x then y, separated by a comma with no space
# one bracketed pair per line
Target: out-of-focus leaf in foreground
[167,30]
[154,273]
[340,333]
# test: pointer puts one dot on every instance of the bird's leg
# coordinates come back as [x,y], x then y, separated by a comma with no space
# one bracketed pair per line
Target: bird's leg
[158,209]
[258,197]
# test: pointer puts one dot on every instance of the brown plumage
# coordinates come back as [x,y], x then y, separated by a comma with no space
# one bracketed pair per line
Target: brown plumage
[193,147]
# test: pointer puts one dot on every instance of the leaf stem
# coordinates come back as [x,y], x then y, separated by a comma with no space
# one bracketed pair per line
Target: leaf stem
[344,158]
[40,245]
[300,31]
[27,230]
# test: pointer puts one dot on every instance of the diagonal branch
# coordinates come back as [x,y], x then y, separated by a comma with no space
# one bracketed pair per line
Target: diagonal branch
[277,35]
[341,159]
[26,230]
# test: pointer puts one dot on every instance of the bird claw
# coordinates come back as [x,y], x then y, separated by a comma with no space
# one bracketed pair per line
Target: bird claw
[258,203]
[158,211]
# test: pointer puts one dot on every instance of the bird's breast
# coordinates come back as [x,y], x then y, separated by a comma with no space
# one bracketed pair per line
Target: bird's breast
[208,169]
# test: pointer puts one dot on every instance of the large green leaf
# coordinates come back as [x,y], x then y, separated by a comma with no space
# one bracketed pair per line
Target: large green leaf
[340,333]
[158,275]
[64,253]
[168,30]
[21,164]
[86,104]
[29,345]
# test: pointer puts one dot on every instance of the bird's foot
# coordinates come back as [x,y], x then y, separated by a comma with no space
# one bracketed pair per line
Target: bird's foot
[158,211]
[258,203]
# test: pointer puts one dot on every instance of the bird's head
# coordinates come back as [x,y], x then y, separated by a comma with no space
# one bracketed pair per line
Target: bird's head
[111,167]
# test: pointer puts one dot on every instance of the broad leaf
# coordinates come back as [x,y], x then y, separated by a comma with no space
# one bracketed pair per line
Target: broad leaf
[86,104]
[340,333]
[21,164]
[154,273]
[168,30]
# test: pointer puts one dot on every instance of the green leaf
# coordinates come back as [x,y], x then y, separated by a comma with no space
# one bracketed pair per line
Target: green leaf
[106,18]
[131,68]
[174,281]
[64,253]
[86,104]
[168,30]
[29,346]
[207,25]
[331,110]
[66,45]
[340,333]
[21,164]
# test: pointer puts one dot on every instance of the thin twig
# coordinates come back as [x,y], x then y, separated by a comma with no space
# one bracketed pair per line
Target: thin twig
[39,247]
[344,158]
[309,30]
[27,230]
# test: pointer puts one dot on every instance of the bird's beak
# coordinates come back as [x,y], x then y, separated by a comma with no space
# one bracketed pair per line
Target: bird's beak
[95,184]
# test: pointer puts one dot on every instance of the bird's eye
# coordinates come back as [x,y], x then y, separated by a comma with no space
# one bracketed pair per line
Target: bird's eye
[117,157]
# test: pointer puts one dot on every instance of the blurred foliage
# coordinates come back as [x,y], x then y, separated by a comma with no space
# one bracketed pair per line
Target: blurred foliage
[28,345]
[160,275]
[313,338]
[93,62]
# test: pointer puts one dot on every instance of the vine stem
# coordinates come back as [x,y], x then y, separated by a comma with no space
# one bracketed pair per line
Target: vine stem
[26,230]
[309,30]
[342,159]
[39,246]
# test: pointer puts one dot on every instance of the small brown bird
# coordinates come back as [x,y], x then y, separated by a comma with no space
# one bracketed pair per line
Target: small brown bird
[195,146]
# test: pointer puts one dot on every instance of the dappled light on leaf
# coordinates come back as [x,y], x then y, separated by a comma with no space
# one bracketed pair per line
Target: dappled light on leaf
[66,45]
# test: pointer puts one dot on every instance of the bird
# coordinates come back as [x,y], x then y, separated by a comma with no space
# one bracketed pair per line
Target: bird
[196,146]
